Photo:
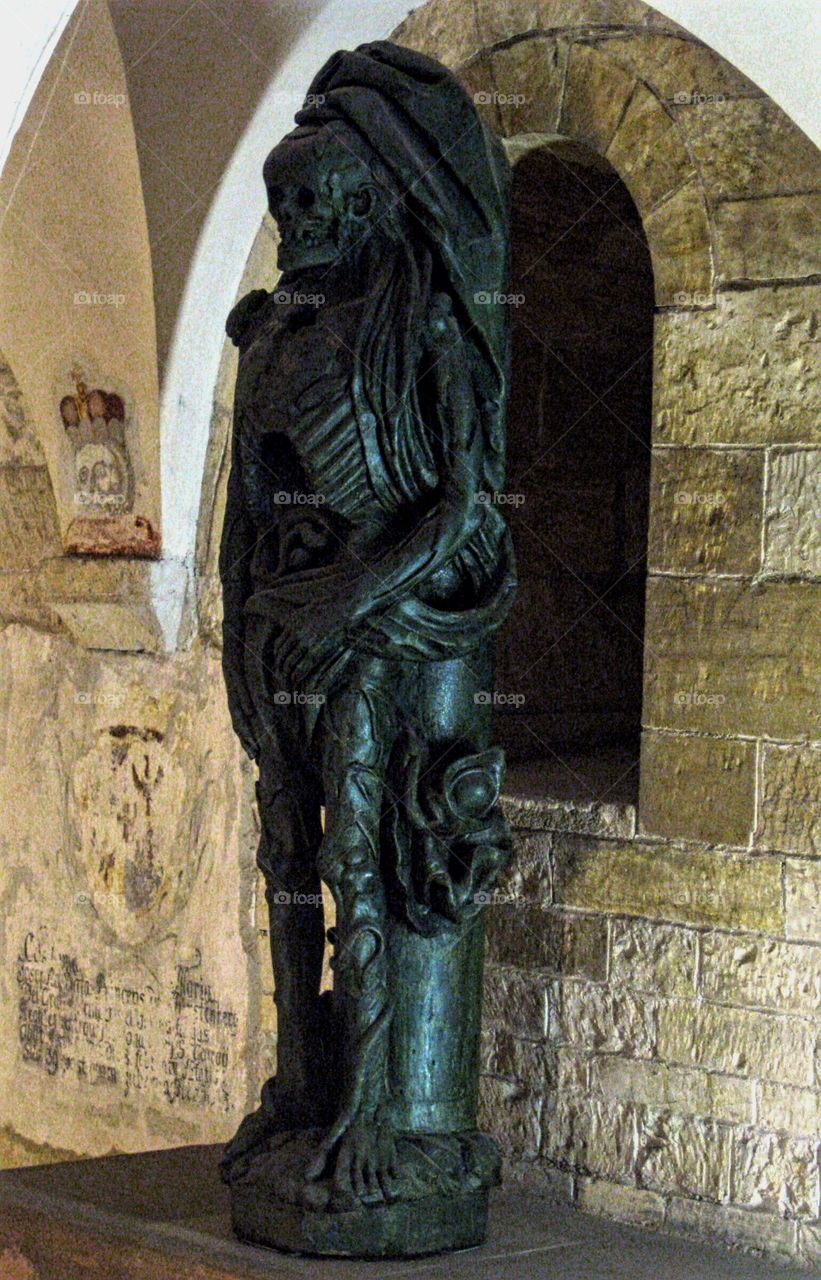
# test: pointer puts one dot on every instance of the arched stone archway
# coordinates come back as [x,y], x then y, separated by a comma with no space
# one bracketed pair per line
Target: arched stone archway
[728,192]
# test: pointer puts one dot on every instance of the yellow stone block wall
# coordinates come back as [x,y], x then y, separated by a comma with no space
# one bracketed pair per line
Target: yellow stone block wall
[653,991]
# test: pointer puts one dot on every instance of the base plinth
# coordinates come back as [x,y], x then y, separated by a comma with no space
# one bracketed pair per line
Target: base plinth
[406,1229]
[438,1201]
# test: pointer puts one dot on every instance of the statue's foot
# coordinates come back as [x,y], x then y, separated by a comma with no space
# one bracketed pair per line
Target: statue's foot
[284,1106]
[359,1154]
[280,1111]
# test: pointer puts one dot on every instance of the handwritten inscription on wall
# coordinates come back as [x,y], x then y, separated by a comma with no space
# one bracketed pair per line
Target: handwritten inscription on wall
[171,1044]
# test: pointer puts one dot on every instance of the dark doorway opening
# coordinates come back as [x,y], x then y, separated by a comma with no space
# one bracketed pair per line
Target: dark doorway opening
[569,674]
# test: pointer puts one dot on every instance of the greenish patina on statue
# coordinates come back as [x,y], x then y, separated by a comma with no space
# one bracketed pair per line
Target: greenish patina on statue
[365,568]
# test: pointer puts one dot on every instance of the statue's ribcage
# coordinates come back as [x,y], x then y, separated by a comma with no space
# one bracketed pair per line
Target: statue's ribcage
[328,442]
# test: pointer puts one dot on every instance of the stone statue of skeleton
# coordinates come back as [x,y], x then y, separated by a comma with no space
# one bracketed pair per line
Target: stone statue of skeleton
[364,567]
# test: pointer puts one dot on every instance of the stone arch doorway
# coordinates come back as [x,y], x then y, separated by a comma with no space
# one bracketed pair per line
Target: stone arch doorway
[578,471]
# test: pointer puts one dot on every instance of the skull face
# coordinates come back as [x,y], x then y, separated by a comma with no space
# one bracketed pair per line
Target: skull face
[322,196]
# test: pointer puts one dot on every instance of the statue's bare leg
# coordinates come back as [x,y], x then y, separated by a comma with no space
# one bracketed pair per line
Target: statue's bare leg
[291,834]
[358,729]
[288,793]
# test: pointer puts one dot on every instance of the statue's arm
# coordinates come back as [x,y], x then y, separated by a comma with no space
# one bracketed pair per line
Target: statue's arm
[237,542]
[455,513]
[244,316]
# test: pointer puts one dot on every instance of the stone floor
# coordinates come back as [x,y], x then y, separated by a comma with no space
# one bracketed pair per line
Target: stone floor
[130,1218]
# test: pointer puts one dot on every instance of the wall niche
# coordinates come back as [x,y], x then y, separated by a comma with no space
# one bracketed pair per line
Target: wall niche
[569,675]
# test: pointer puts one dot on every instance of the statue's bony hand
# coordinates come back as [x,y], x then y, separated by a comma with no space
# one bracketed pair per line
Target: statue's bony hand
[309,646]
